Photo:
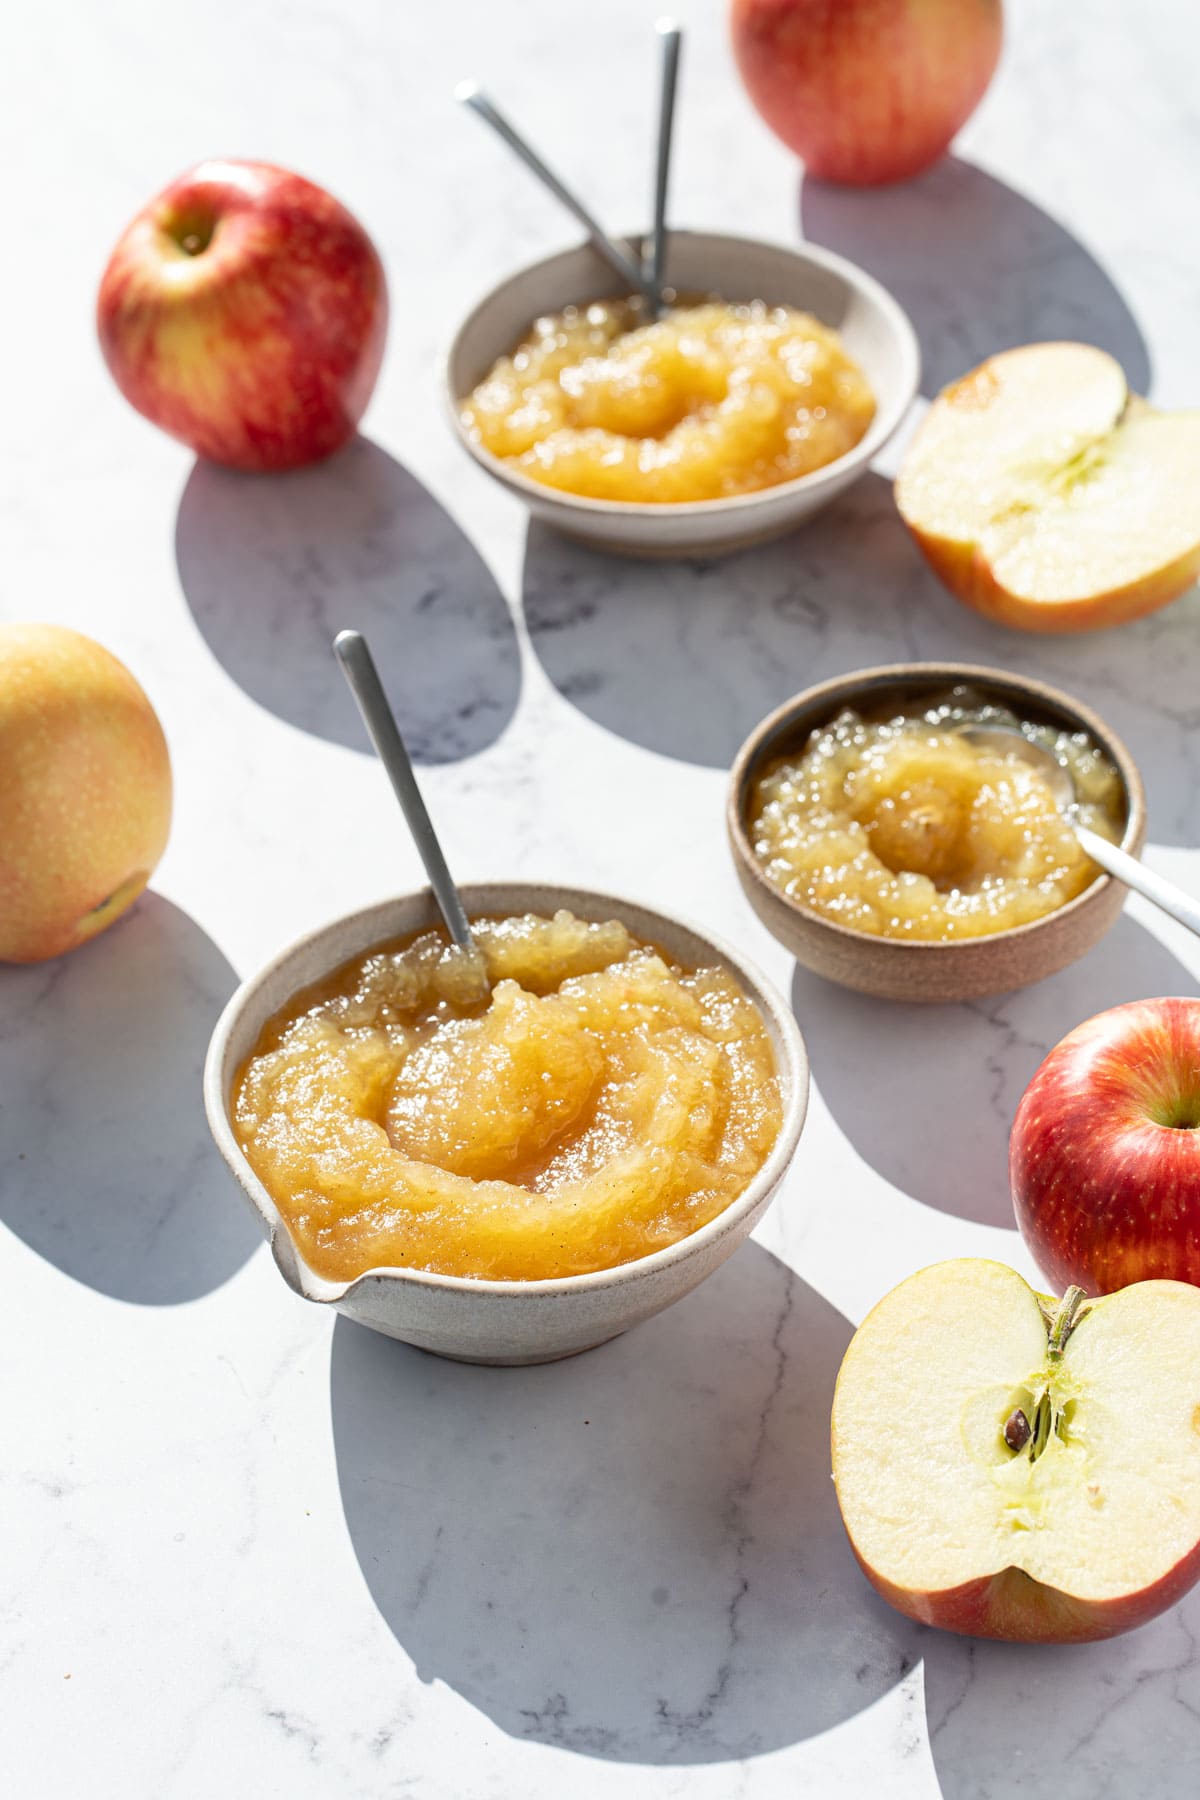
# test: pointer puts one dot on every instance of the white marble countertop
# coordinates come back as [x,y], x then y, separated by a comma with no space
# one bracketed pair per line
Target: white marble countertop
[250,1550]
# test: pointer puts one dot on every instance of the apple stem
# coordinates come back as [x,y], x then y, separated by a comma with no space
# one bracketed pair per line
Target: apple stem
[1065,1320]
[1020,1432]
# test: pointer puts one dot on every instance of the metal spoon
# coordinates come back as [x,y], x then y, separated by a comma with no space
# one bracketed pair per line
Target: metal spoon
[358,666]
[469,94]
[671,40]
[1004,740]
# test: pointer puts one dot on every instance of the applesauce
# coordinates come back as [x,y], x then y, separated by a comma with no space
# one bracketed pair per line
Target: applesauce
[708,401]
[599,1103]
[900,827]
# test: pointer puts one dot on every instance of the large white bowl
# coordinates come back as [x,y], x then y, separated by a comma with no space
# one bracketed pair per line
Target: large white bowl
[872,326]
[502,1321]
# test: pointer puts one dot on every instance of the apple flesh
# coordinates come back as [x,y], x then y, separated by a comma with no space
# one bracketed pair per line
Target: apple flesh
[1004,1476]
[1047,497]
[866,91]
[1104,1154]
[244,311]
[85,790]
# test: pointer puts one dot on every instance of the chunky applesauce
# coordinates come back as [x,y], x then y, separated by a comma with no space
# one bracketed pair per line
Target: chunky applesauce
[901,827]
[708,401]
[599,1103]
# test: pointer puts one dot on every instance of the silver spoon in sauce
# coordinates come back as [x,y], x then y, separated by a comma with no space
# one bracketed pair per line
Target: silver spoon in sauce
[358,666]
[468,94]
[1004,740]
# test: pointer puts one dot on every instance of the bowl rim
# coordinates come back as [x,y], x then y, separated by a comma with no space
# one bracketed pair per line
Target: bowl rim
[792,1068]
[838,690]
[883,426]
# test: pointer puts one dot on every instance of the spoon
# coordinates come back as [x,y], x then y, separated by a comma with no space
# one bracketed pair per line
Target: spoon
[671,40]
[468,93]
[1004,740]
[358,666]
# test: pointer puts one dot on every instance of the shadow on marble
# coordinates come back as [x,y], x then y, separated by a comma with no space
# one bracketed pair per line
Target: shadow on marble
[927,1094]
[686,658]
[635,1554]
[273,567]
[977,266]
[107,1168]
[1085,1722]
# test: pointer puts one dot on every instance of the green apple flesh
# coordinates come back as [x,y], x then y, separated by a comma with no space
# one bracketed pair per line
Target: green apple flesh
[1088,1526]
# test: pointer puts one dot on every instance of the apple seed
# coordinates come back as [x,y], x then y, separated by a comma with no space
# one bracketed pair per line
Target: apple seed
[1016,1431]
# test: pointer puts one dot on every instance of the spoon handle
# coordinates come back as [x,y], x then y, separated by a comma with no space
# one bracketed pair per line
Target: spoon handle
[670,37]
[358,666]
[1155,888]
[469,95]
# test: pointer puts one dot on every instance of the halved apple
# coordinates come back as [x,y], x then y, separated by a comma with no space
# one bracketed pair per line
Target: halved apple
[1013,1466]
[1046,496]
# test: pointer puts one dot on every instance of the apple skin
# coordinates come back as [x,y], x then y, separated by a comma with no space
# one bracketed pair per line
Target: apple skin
[866,91]
[85,790]
[969,577]
[1014,1607]
[260,346]
[1104,1155]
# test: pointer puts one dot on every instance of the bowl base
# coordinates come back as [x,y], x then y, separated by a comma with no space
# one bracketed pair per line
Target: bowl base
[681,552]
[520,1362]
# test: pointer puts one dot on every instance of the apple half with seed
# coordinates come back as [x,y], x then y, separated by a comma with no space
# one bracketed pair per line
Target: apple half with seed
[1048,497]
[1012,1466]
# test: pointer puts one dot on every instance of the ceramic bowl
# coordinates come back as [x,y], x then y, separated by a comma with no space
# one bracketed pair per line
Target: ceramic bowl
[502,1321]
[888,967]
[873,328]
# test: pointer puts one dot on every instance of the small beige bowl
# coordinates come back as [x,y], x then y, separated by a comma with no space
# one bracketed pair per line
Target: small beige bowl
[502,1321]
[873,328]
[890,967]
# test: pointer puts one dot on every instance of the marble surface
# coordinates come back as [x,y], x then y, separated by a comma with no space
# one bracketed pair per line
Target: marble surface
[246,1547]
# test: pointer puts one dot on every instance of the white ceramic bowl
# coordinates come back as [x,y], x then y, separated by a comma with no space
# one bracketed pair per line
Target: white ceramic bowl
[872,326]
[502,1321]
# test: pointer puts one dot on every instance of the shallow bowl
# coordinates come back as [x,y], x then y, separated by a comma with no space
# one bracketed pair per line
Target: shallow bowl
[502,1321]
[890,967]
[874,329]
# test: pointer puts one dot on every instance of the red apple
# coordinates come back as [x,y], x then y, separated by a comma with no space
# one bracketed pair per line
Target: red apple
[866,91]
[1104,1157]
[1013,1466]
[85,790]
[245,310]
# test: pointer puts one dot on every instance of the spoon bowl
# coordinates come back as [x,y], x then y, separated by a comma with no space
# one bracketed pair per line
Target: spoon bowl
[1006,740]
[1116,862]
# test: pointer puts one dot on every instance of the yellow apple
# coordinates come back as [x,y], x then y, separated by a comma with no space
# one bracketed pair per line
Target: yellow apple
[1013,1466]
[1048,497]
[85,790]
